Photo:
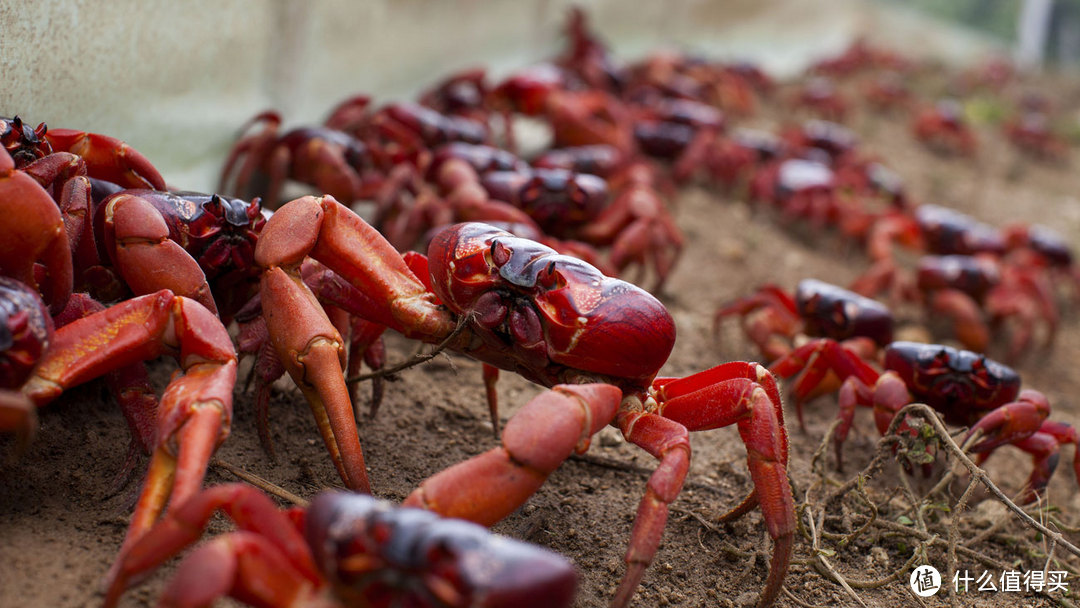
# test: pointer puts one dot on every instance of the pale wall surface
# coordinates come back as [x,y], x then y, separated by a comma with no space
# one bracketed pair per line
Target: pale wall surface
[177,79]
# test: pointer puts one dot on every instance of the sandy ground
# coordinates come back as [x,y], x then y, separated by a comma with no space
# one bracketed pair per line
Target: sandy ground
[64,525]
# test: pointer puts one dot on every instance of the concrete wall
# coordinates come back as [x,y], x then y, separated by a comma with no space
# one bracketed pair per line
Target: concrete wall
[176,79]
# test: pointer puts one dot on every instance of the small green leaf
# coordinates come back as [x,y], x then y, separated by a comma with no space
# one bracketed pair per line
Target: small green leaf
[904,520]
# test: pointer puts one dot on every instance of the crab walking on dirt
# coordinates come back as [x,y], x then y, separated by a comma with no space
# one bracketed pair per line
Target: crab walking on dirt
[552,319]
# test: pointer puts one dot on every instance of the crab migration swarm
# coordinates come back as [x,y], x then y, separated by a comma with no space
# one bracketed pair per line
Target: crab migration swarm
[311,289]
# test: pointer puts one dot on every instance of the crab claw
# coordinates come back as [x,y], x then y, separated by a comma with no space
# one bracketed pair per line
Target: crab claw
[309,345]
[107,158]
[196,409]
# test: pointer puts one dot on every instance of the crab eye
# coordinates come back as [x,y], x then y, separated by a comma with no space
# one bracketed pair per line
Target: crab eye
[980,369]
[550,278]
[500,254]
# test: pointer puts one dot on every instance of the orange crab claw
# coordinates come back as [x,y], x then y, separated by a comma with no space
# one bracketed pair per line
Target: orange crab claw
[308,344]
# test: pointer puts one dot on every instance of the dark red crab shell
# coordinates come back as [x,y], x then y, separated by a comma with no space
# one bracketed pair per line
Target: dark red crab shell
[960,383]
[834,312]
[555,198]
[376,554]
[590,322]
[972,275]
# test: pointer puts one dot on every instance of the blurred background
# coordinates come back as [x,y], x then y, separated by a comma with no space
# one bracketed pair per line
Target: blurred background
[178,79]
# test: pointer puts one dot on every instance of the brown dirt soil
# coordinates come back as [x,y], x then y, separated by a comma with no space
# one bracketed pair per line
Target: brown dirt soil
[64,524]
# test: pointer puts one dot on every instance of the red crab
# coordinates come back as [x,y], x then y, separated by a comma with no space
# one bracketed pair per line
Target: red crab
[969,389]
[194,414]
[468,182]
[943,129]
[206,241]
[122,233]
[975,280]
[1032,134]
[327,158]
[975,291]
[932,228]
[728,161]
[732,87]
[464,93]
[774,320]
[887,92]
[820,97]
[665,127]
[947,231]
[814,137]
[1038,246]
[550,318]
[70,165]
[480,183]
[598,159]
[415,127]
[99,156]
[344,550]
[413,199]
[802,189]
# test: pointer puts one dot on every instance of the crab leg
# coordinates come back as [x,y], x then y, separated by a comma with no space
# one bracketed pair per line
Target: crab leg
[196,409]
[1011,422]
[129,386]
[253,512]
[1044,446]
[310,347]
[966,317]
[1045,451]
[669,442]
[107,158]
[253,150]
[816,359]
[312,351]
[768,317]
[567,415]
[238,564]
[363,337]
[744,394]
